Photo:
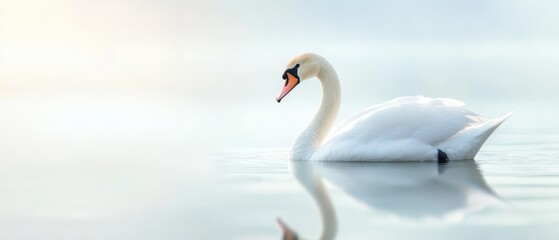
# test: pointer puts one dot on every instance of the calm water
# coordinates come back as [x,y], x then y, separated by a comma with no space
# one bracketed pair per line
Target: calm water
[134,167]
[511,191]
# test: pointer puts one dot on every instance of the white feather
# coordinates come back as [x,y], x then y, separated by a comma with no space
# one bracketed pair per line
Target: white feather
[408,129]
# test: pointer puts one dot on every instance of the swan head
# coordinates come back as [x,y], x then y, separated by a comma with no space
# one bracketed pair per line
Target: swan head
[301,68]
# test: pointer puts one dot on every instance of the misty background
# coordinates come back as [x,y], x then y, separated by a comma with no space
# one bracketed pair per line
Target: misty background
[135,95]
[224,59]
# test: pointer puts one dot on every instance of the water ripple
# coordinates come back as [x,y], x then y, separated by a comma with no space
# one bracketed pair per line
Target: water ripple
[252,161]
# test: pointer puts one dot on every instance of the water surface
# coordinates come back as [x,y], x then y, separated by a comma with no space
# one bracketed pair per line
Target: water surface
[510,191]
[130,166]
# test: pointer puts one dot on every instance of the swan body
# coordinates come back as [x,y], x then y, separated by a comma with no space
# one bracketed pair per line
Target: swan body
[408,128]
[414,128]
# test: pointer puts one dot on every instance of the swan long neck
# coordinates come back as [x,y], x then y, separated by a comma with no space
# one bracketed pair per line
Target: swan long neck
[314,135]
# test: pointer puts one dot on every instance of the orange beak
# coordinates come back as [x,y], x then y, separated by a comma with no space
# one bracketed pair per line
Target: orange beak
[290,83]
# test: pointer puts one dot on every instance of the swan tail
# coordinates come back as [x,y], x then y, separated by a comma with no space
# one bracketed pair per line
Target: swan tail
[466,143]
[490,126]
[485,129]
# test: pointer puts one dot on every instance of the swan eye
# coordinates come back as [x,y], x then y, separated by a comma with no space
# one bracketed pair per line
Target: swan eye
[293,72]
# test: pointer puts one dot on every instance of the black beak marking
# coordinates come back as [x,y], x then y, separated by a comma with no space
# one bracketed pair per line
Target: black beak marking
[293,72]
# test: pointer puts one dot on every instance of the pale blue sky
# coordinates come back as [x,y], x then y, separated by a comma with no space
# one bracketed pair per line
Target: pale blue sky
[213,48]
[225,58]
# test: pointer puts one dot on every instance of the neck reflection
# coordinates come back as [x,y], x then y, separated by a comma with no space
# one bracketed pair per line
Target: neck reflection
[420,191]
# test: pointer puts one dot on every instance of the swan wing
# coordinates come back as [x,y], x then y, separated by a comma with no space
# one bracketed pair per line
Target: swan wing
[405,128]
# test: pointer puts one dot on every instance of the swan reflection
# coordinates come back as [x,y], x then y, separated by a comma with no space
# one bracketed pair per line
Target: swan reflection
[421,191]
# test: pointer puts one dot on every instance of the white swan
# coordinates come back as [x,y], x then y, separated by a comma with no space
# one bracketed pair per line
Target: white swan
[412,128]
